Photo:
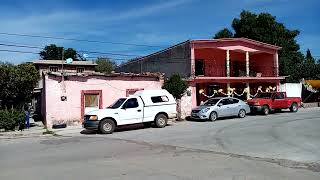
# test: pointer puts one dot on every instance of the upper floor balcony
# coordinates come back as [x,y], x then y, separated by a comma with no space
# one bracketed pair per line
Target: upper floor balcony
[238,70]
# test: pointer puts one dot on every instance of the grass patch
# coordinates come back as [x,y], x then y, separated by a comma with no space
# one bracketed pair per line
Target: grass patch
[50,132]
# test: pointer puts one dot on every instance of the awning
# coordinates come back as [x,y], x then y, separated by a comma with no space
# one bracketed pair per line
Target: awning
[314,83]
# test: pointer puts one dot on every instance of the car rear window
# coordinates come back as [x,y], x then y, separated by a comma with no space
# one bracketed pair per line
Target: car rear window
[159,99]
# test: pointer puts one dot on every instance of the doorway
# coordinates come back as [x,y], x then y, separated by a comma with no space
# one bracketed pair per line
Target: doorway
[90,100]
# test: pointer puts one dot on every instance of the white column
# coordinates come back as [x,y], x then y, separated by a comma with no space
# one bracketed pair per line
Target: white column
[192,61]
[247,64]
[228,63]
[248,93]
[228,87]
[276,64]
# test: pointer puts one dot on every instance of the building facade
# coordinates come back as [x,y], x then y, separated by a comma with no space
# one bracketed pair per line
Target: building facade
[66,99]
[216,67]
[55,66]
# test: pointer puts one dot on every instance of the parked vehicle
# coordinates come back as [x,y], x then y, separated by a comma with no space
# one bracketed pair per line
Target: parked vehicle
[220,107]
[146,106]
[266,102]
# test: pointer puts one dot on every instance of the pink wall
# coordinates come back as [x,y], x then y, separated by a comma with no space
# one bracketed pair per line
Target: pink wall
[70,110]
[263,63]
[215,62]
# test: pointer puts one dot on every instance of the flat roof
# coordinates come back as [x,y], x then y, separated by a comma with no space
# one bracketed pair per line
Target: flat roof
[59,62]
[86,74]
[247,40]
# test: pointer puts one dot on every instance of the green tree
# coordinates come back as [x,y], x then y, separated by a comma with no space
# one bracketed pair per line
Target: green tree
[176,86]
[54,52]
[16,84]
[309,68]
[105,65]
[309,59]
[224,33]
[265,28]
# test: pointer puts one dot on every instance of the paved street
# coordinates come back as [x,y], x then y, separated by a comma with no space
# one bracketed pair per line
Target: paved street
[278,146]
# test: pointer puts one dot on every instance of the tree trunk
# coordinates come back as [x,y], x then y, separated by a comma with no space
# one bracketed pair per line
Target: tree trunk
[179,109]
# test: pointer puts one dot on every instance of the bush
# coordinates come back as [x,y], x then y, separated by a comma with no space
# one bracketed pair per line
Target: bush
[176,86]
[9,119]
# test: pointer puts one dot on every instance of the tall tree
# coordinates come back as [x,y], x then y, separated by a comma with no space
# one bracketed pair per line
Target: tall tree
[54,52]
[265,28]
[17,83]
[105,65]
[309,59]
[224,33]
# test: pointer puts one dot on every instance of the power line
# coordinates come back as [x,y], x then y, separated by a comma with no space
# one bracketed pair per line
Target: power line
[114,59]
[85,51]
[14,51]
[74,39]
[138,57]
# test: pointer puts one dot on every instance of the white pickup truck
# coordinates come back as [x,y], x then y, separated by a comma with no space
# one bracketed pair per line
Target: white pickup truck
[146,106]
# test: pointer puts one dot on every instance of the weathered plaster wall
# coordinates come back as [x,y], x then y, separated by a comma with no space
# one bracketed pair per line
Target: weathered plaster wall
[263,63]
[214,60]
[186,103]
[170,61]
[70,111]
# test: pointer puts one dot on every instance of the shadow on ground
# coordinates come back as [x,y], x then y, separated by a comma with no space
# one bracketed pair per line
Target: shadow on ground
[132,127]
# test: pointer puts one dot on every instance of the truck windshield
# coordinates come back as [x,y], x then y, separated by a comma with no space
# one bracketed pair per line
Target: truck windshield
[211,102]
[117,104]
[264,95]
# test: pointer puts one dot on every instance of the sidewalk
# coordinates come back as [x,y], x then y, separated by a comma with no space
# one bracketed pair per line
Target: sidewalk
[77,130]
[31,132]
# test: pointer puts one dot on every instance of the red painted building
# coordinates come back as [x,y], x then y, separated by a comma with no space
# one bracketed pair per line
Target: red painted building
[215,65]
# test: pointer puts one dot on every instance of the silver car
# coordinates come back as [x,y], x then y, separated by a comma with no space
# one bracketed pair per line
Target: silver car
[220,107]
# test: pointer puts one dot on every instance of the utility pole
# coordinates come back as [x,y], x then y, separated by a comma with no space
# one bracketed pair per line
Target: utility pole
[62,57]
[62,77]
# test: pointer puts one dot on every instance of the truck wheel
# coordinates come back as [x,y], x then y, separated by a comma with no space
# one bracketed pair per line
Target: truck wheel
[242,113]
[294,107]
[265,110]
[161,120]
[107,126]
[213,116]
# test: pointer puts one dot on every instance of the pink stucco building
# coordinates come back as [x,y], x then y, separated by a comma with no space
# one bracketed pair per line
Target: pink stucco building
[66,100]
[214,67]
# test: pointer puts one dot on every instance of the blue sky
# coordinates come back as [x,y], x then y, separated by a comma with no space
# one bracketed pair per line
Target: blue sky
[159,22]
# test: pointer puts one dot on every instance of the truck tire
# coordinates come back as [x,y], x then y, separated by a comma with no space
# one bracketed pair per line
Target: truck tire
[265,110]
[107,126]
[213,116]
[161,121]
[242,113]
[294,107]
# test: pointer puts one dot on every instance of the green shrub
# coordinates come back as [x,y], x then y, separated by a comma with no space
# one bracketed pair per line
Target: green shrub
[10,119]
[176,86]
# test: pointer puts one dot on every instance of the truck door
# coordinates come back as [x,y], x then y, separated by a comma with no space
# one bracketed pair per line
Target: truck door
[279,101]
[131,111]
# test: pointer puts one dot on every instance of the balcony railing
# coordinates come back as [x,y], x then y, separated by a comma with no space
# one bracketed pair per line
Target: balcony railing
[239,71]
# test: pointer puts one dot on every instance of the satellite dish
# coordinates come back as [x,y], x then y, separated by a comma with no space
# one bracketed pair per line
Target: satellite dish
[69,60]
[85,55]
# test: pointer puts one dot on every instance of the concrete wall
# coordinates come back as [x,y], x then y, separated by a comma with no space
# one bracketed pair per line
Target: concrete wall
[70,111]
[169,61]
[292,89]
[186,103]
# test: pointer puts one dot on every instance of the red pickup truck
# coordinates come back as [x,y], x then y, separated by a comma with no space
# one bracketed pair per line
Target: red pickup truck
[268,101]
